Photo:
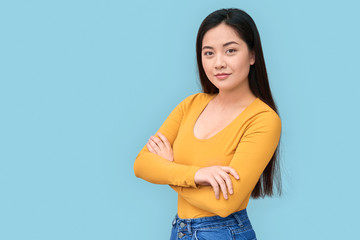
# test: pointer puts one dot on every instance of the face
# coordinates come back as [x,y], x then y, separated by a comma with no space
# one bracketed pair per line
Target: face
[224,52]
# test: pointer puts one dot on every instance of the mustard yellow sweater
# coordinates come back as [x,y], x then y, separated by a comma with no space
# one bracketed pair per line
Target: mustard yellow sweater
[246,144]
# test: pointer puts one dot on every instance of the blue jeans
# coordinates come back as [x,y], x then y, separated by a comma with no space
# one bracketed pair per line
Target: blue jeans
[235,226]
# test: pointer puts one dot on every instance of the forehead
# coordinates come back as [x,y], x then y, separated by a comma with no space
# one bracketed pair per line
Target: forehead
[220,34]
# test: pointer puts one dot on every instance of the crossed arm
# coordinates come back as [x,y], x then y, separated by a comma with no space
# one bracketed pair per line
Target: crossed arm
[155,162]
[197,185]
[252,155]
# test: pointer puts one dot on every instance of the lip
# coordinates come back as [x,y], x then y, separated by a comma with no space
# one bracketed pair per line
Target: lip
[222,75]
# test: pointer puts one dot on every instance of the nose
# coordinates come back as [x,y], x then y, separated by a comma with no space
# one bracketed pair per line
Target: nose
[220,62]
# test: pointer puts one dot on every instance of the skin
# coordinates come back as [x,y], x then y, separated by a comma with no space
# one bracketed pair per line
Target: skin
[223,51]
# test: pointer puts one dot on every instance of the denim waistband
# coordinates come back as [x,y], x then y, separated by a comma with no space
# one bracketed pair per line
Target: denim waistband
[192,224]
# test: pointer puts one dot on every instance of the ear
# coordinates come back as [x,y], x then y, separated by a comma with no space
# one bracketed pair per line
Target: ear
[252,58]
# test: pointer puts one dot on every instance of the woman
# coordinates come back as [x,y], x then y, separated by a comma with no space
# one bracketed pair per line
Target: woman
[219,147]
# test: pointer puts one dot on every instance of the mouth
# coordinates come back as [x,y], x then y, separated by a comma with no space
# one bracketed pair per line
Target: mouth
[222,75]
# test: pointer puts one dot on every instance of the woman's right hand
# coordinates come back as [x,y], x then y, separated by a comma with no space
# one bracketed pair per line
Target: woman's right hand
[218,178]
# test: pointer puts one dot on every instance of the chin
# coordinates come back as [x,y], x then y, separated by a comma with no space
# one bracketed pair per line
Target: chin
[224,85]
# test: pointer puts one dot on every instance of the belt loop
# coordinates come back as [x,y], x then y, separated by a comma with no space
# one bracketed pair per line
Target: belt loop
[188,223]
[238,219]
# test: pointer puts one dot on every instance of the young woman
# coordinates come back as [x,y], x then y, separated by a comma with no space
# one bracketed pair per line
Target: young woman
[219,147]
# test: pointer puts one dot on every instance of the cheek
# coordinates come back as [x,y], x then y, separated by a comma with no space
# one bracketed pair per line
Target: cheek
[241,64]
[207,65]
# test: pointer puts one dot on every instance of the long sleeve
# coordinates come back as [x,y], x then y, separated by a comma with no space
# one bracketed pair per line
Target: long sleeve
[156,169]
[251,156]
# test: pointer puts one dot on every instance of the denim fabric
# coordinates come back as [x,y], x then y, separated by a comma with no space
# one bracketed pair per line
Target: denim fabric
[236,226]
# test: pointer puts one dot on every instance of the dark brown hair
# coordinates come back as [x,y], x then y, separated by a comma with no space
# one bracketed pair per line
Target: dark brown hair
[245,26]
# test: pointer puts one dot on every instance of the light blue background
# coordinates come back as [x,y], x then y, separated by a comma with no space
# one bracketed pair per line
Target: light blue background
[84,84]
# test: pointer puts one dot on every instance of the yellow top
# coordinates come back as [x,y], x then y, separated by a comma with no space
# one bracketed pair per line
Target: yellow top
[246,144]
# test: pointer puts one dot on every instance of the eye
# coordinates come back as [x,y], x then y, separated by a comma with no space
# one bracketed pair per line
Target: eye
[231,50]
[207,53]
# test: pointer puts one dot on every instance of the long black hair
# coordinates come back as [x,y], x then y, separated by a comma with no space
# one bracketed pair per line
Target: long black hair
[245,27]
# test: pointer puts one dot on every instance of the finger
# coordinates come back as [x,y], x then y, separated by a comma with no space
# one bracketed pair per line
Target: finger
[215,187]
[227,180]
[154,145]
[149,147]
[165,141]
[158,142]
[232,171]
[222,184]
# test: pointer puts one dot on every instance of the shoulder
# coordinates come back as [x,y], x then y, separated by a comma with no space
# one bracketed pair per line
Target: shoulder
[263,116]
[200,96]
[195,99]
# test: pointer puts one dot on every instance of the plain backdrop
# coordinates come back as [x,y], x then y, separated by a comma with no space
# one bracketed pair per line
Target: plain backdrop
[84,84]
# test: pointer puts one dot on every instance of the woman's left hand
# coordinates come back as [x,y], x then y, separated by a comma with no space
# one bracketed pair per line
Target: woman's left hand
[161,146]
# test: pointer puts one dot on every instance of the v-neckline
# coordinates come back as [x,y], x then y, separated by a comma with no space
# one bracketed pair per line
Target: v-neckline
[223,129]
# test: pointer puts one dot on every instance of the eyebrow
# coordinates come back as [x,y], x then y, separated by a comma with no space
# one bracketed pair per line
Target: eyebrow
[226,44]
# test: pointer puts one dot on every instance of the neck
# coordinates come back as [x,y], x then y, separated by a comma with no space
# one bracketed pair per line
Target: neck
[239,97]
